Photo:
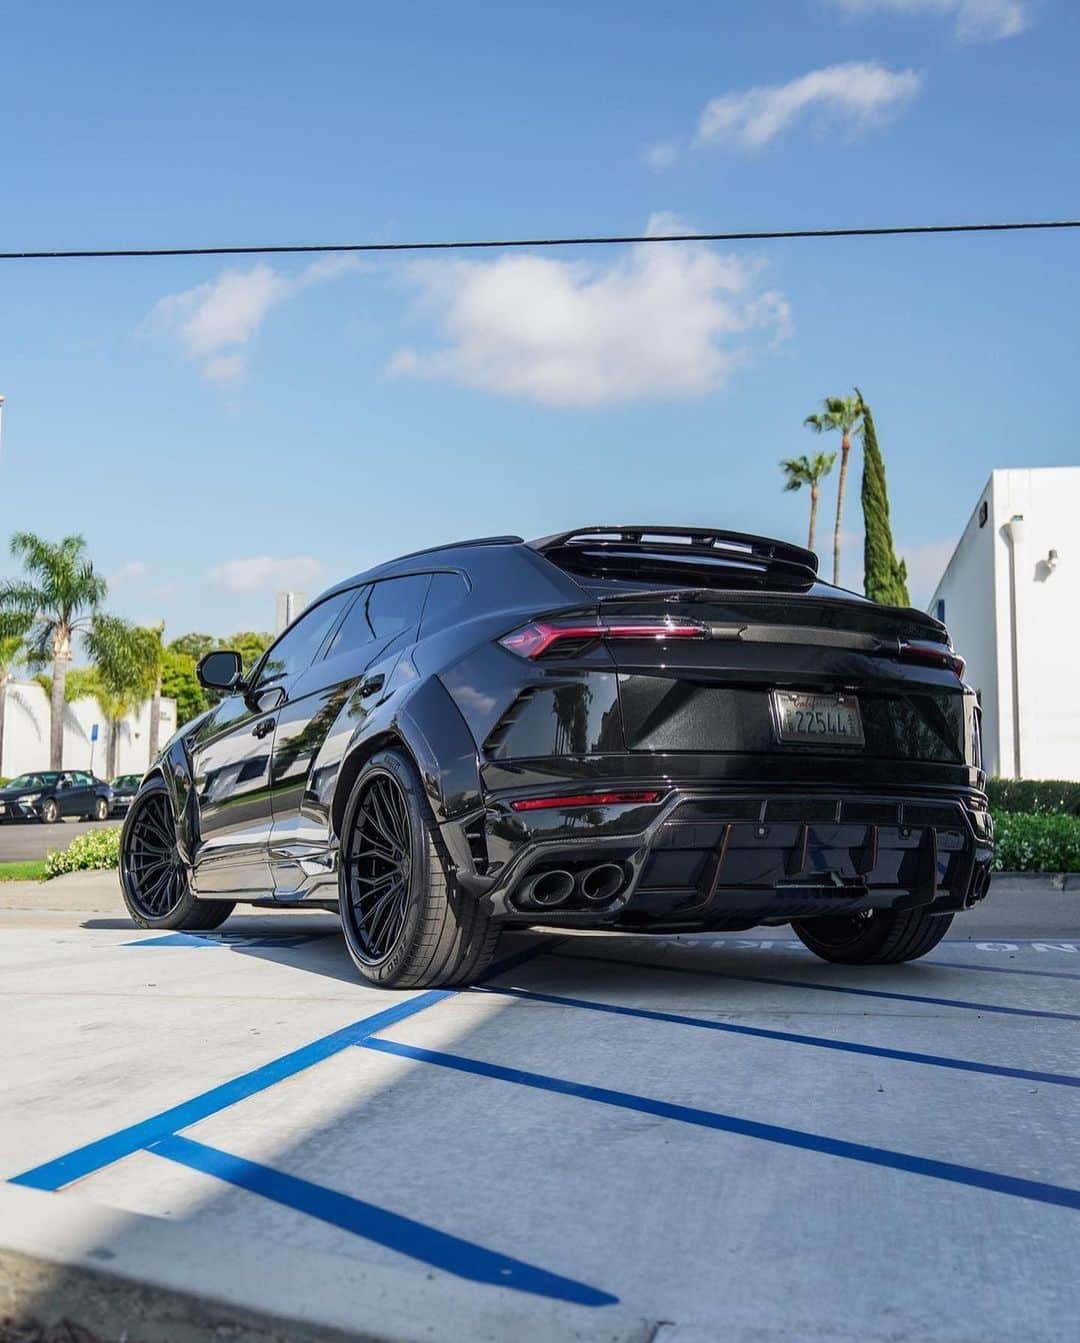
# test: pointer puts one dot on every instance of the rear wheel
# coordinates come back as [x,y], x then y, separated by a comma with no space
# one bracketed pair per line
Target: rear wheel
[877,937]
[153,876]
[407,923]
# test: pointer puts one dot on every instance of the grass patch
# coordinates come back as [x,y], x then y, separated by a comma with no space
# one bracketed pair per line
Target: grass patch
[31,869]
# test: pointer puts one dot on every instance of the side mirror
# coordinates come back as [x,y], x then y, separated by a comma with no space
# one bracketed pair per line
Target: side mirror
[220,670]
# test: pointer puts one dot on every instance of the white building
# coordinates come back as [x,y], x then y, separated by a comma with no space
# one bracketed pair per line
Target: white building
[1010,596]
[26,733]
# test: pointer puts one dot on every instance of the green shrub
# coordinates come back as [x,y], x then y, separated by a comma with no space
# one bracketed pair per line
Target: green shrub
[1032,842]
[1043,796]
[94,850]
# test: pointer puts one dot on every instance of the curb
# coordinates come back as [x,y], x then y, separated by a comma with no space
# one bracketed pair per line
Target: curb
[1059,881]
[154,1280]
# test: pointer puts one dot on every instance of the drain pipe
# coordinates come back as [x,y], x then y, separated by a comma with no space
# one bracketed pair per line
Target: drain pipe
[1014,529]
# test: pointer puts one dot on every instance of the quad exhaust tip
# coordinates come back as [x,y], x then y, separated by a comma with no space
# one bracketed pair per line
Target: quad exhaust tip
[550,889]
[602,883]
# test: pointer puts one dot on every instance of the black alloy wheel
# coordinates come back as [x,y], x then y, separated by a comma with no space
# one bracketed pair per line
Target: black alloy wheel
[379,869]
[153,874]
[156,878]
[407,922]
[873,937]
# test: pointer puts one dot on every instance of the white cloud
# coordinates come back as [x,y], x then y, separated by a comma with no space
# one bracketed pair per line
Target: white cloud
[130,572]
[854,95]
[261,573]
[975,20]
[213,321]
[662,154]
[223,368]
[647,323]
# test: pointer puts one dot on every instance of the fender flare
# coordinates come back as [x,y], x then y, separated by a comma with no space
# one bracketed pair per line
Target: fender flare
[430,728]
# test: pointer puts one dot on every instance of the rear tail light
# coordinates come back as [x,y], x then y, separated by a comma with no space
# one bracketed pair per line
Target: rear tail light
[584,800]
[933,655]
[540,636]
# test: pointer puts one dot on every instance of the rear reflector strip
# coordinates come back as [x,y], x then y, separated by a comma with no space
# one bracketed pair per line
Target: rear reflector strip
[584,800]
[533,640]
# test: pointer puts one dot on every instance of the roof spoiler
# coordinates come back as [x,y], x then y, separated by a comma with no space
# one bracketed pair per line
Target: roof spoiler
[778,558]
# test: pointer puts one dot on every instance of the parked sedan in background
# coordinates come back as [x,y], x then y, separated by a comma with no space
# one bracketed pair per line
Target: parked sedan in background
[50,795]
[123,787]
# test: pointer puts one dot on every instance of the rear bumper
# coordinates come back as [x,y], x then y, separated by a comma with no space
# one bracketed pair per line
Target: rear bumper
[721,859]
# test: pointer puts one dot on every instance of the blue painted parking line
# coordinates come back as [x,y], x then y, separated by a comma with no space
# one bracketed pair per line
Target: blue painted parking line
[426,1244]
[992,1181]
[721,975]
[790,1037]
[95,1156]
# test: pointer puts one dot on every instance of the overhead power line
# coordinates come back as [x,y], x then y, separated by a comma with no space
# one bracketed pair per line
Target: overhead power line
[606,240]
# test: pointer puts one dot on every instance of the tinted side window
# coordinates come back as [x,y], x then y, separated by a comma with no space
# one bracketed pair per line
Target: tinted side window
[446,596]
[295,649]
[395,604]
[355,630]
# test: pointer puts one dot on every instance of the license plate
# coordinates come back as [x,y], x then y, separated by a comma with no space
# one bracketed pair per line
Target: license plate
[818,720]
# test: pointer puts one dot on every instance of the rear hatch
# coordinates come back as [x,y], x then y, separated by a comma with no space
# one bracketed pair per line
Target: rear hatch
[761,656]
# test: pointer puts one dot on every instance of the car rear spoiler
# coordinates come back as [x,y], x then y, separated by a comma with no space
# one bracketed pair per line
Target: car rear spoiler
[776,561]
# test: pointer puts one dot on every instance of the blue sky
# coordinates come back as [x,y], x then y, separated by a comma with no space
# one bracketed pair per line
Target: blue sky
[221,428]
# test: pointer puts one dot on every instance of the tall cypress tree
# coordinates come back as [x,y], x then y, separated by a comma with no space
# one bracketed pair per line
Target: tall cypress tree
[884,576]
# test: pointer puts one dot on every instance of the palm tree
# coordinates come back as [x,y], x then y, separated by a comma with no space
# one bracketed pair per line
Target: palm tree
[128,663]
[153,652]
[841,414]
[59,597]
[800,471]
[114,707]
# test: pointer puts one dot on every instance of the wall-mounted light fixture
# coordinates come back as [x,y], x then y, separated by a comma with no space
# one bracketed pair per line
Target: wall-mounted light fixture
[1052,560]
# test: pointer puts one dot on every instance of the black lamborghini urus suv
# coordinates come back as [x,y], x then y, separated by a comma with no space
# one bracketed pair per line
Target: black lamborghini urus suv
[652,729]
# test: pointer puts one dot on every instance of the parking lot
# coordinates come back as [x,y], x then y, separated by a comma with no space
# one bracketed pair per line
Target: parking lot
[719,1134]
[21,841]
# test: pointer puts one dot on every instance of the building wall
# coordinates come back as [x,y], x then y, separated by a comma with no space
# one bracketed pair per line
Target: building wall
[980,600]
[1047,618]
[26,733]
[966,591]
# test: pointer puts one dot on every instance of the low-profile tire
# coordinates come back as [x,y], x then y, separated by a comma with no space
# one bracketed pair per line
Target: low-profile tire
[407,922]
[50,811]
[154,879]
[879,937]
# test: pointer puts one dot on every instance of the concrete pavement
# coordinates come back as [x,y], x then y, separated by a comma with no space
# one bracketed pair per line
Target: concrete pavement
[718,1132]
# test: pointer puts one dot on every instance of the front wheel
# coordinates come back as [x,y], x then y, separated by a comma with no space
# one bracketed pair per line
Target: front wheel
[153,876]
[100,811]
[50,811]
[877,937]
[407,923]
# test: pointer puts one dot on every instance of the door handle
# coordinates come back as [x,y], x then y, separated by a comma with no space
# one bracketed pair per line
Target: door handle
[371,685]
[261,729]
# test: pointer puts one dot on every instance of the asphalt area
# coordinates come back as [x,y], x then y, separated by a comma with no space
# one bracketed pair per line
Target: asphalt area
[21,841]
[718,1130]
